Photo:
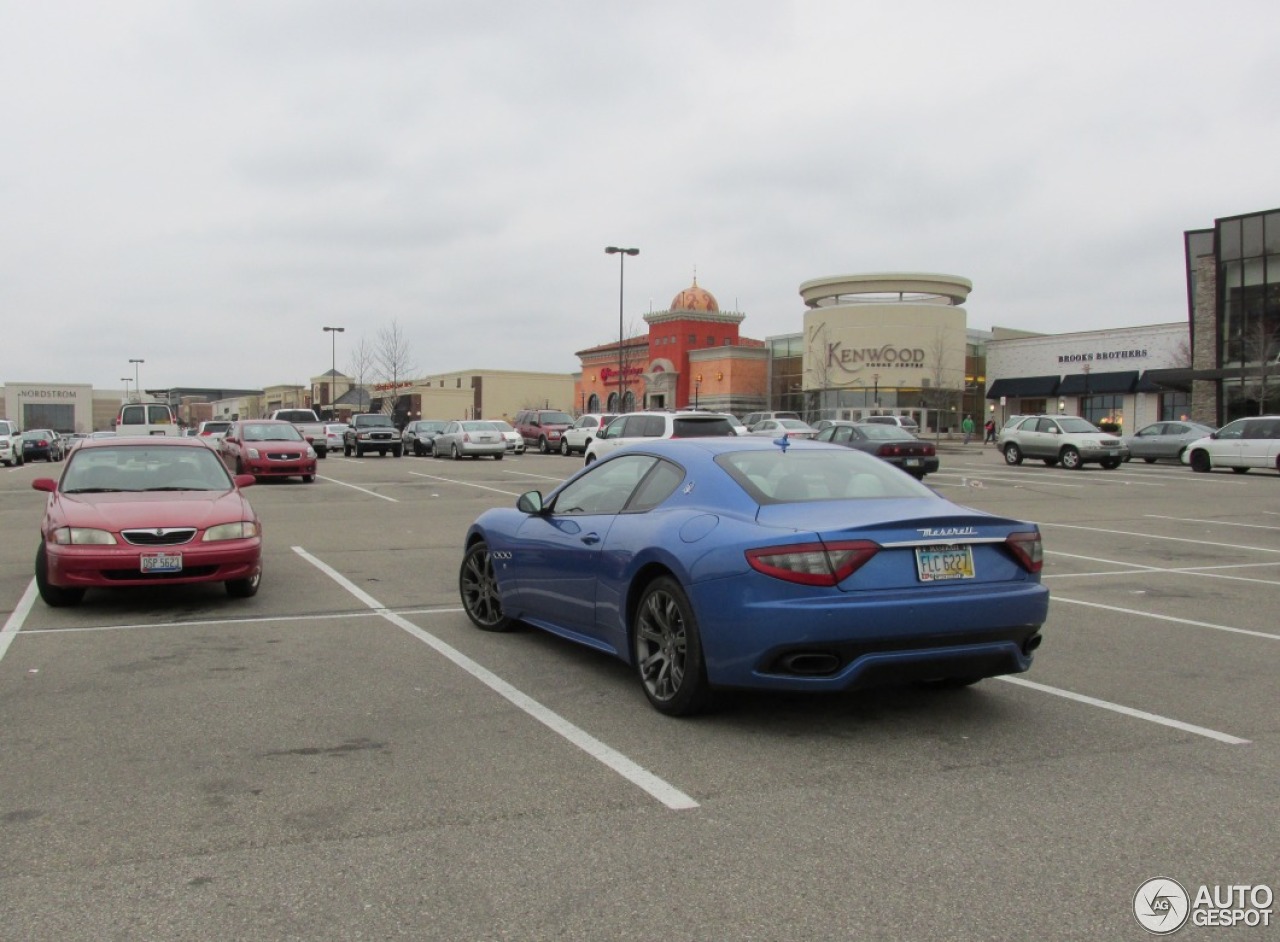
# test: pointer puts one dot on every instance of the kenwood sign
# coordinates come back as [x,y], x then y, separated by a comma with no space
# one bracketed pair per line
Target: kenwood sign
[888,356]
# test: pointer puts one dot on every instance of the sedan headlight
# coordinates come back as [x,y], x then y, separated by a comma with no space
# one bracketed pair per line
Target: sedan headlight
[82,536]
[251,453]
[311,452]
[243,530]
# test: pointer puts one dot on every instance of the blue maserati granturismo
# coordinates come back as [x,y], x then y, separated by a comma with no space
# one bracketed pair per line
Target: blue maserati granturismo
[743,562]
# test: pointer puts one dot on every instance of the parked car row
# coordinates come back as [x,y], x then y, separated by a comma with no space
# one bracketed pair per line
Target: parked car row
[1071,441]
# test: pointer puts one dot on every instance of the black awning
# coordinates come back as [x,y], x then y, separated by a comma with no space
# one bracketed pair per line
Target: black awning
[1090,384]
[1161,380]
[1024,387]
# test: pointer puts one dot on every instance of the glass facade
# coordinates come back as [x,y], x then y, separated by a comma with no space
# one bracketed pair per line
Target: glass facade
[1248,302]
[786,374]
[1175,406]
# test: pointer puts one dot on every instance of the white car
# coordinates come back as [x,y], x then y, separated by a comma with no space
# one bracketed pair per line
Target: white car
[213,429]
[900,421]
[638,426]
[1240,445]
[576,438]
[782,428]
[514,440]
[333,434]
[10,444]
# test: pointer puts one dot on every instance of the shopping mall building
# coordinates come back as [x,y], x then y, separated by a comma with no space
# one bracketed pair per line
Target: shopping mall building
[894,342]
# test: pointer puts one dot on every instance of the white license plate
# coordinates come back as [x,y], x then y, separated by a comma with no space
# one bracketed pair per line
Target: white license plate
[1113,453]
[912,462]
[162,562]
[940,563]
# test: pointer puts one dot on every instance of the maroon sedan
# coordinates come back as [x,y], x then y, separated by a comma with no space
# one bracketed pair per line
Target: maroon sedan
[268,448]
[143,512]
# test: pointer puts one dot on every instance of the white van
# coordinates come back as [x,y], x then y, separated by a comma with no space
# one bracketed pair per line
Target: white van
[146,418]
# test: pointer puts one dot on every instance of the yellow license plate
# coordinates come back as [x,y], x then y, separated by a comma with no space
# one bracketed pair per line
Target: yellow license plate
[940,563]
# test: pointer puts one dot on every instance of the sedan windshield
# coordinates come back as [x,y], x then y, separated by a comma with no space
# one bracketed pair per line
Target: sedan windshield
[271,433]
[143,468]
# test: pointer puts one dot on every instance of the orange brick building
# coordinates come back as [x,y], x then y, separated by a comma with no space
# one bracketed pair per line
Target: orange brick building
[692,355]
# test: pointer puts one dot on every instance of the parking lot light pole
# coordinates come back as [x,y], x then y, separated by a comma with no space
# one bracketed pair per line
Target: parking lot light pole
[622,258]
[137,388]
[126,380]
[333,367]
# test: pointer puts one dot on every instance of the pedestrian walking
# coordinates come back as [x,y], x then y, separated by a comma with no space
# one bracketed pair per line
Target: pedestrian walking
[967,427]
[991,432]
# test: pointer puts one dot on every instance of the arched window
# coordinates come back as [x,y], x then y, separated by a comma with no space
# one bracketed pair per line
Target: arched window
[613,402]
[629,402]
[593,404]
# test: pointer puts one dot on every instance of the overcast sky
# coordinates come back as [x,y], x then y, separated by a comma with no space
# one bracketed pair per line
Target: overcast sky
[205,185]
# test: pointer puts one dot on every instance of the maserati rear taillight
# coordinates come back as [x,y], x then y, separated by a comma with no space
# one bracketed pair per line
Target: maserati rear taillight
[1027,549]
[824,564]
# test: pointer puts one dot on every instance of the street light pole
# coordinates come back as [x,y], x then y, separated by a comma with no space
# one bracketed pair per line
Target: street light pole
[126,380]
[622,258]
[137,388]
[333,367]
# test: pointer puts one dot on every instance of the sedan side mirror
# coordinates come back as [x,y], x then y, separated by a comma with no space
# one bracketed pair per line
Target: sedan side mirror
[530,502]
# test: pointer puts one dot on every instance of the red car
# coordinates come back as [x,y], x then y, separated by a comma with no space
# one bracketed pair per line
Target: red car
[268,448]
[145,512]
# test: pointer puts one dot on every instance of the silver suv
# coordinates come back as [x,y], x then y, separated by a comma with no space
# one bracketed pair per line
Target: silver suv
[1065,439]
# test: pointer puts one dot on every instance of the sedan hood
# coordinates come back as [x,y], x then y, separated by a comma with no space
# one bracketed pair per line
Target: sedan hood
[122,511]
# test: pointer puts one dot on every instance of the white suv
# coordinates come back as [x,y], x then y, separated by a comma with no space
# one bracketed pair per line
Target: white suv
[637,426]
[1066,439]
[586,427]
[10,444]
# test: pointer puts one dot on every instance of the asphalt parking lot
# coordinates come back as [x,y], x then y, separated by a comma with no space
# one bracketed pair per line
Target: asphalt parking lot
[344,757]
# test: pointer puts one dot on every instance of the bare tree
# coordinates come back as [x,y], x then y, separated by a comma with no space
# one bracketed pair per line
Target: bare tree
[392,360]
[819,360]
[362,364]
[944,391]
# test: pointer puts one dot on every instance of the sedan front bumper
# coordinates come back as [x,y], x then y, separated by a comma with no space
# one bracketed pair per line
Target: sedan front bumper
[121,565]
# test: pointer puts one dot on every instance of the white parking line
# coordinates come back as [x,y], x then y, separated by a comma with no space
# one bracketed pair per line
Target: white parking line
[483,487]
[1127,711]
[1207,572]
[1220,523]
[13,624]
[1175,620]
[664,792]
[1153,536]
[362,490]
[541,477]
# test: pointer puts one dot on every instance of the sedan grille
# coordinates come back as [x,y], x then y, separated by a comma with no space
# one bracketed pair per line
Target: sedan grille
[160,536]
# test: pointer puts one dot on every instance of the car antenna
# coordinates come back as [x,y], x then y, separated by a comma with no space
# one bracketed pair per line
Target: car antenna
[782,443]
